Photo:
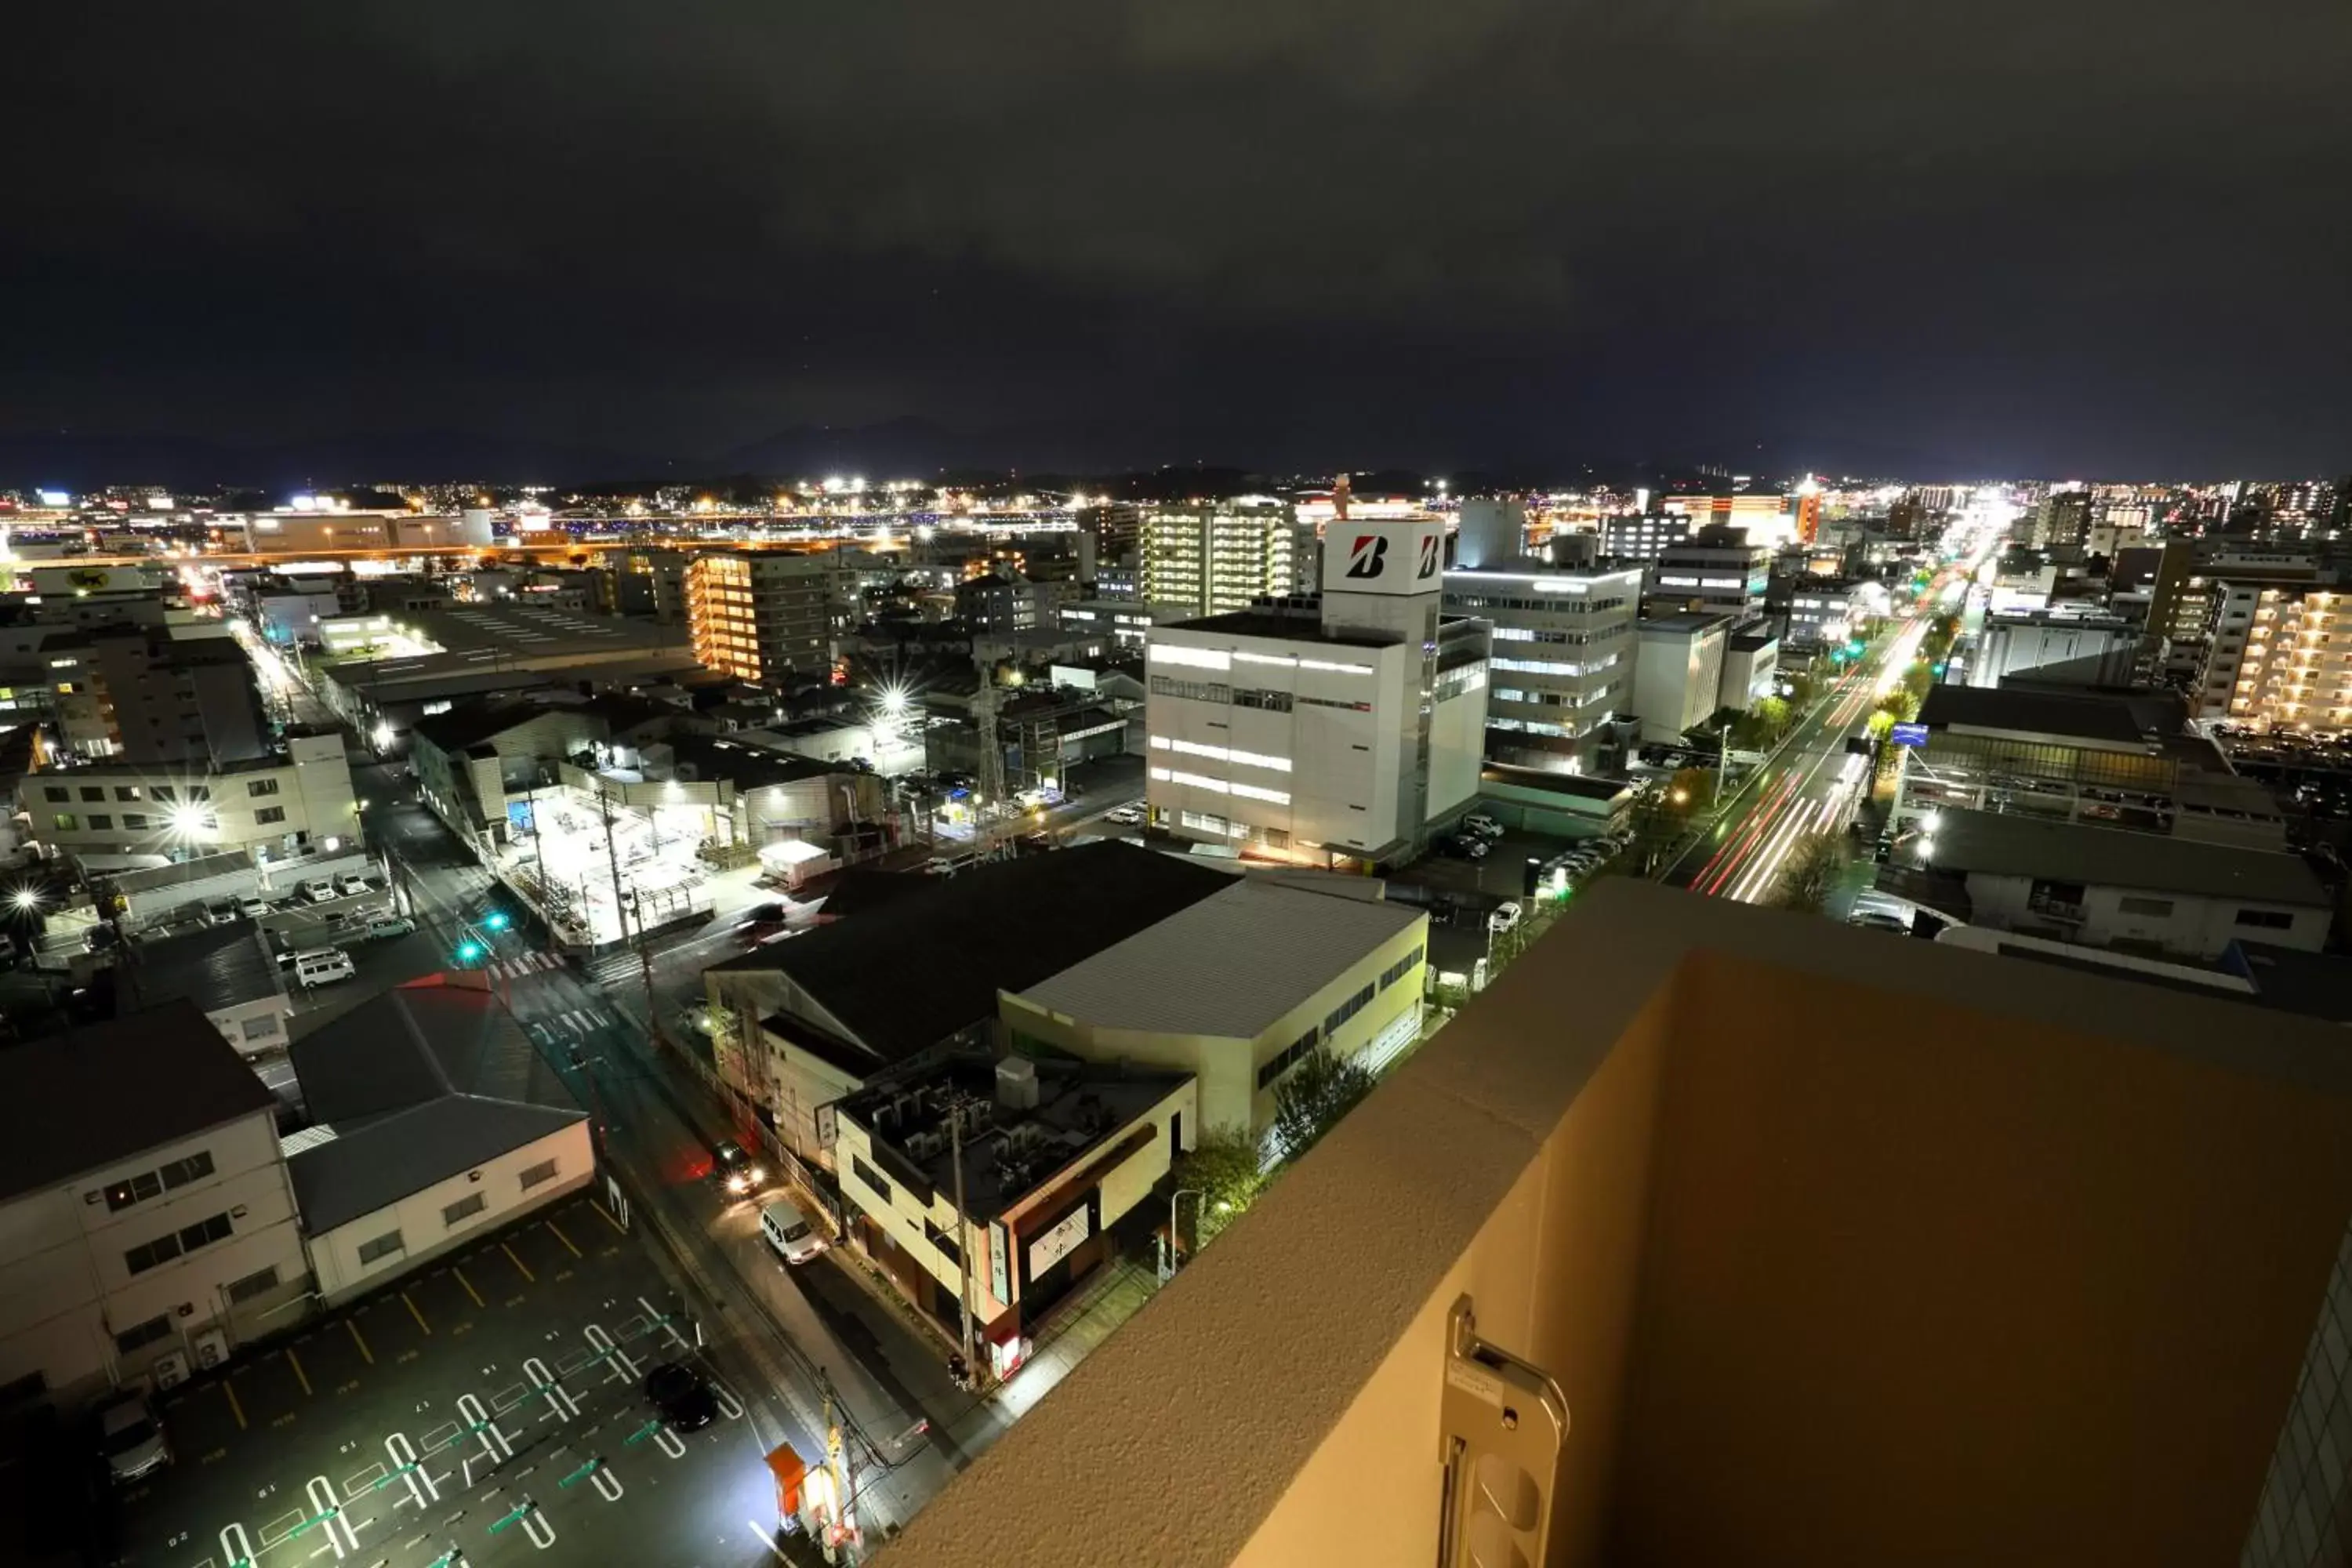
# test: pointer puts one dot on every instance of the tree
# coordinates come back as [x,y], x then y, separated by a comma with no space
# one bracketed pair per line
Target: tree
[1773,714]
[1314,1095]
[1810,874]
[1223,1168]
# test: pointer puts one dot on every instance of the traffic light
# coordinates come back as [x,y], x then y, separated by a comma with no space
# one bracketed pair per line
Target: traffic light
[470,952]
[497,919]
[1939,666]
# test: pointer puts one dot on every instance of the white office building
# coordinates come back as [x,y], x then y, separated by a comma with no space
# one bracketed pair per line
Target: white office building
[1336,735]
[1717,570]
[1678,675]
[1563,657]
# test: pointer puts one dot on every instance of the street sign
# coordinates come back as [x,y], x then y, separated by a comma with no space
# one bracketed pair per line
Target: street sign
[1908,734]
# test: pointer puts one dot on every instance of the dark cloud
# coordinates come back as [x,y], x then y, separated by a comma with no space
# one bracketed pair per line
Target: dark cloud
[2088,238]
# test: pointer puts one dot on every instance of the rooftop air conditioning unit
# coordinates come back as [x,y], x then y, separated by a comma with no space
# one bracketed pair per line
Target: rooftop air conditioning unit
[1016,1083]
[212,1349]
[170,1371]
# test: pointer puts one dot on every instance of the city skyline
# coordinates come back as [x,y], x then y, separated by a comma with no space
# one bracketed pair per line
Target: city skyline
[1790,237]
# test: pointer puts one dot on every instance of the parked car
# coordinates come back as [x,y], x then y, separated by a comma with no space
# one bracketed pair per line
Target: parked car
[1873,919]
[322,966]
[733,1169]
[318,890]
[253,909]
[131,1438]
[221,912]
[1503,917]
[398,925]
[790,1233]
[351,887]
[683,1398]
[1127,815]
[1482,825]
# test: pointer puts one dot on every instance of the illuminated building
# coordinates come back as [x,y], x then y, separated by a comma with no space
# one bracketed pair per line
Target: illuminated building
[759,615]
[1563,659]
[2279,658]
[1207,558]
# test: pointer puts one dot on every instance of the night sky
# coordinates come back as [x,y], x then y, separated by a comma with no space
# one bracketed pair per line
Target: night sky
[2098,238]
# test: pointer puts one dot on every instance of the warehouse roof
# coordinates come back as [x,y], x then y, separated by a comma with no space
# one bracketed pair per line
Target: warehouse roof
[901,978]
[2114,718]
[216,967]
[2002,845]
[1230,965]
[424,1082]
[67,1104]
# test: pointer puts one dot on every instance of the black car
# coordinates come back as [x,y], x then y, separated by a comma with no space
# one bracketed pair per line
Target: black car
[733,1169]
[684,1400]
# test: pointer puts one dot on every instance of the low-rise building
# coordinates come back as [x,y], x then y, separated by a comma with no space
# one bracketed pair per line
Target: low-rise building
[227,971]
[147,1221]
[1751,667]
[293,803]
[2049,646]
[434,1118]
[2110,887]
[1236,990]
[1055,1158]
[806,1020]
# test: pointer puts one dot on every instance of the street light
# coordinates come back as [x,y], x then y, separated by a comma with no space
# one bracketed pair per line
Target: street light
[1172,1197]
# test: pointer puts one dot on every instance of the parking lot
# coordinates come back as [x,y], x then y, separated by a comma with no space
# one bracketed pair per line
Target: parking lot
[490,1405]
[1463,891]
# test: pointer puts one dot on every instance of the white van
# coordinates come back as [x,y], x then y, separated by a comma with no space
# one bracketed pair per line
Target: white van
[322,965]
[788,1231]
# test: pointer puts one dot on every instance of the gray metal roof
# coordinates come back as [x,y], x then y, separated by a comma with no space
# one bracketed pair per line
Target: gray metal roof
[91,1097]
[2002,845]
[1230,965]
[423,1083]
[216,967]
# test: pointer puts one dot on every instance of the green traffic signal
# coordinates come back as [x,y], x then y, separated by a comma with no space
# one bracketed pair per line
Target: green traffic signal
[497,919]
[470,952]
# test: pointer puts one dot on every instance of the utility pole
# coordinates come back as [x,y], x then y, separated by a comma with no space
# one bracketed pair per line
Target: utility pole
[992,758]
[1722,765]
[956,1103]
[621,913]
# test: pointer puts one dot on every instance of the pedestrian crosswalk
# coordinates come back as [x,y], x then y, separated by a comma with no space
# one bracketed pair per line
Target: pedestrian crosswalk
[523,965]
[622,968]
[586,1020]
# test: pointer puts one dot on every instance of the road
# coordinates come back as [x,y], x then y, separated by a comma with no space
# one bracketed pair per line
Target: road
[1809,787]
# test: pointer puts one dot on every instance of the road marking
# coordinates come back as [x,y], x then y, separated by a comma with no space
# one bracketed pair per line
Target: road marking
[217,1453]
[234,1407]
[285,1420]
[519,1263]
[300,1375]
[515,1300]
[414,1313]
[600,1209]
[561,1237]
[365,1354]
[460,1329]
[468,1284]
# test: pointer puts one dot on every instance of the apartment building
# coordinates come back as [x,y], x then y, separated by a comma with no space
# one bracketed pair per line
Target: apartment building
[1331,733]
[1208,558]
[147,1222]
[290,803]
[1644,536]
[1716,571]
[1562,663]
[759,615]
[2279,658]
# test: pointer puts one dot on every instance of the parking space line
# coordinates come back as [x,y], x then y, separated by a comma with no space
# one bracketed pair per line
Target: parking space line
[234,1407]
[468,1284]
[600,1209]
[564,1239]
[300,1375]
[519,1263]
[414,1313]
[365,1354]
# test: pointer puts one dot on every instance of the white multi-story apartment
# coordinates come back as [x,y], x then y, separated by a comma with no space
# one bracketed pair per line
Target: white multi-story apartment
[1562,660]
[284,805]
[2279,658]
[147,1221]
[1644,536]
[1337,736]
[1209,557]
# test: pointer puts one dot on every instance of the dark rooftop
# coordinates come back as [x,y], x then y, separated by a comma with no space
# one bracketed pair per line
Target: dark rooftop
[747,767]
[1291,628]
[903,977]
[90,1098]
[1008,1154]
[2114,718]
[469,725]
[216,967]
[417,1084]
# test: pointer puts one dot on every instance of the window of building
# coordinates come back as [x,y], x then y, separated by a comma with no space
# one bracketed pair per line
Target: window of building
[94,792]
[133,1190]
[2266,920]
[382,1248]
[68,823]
[269,814]
[261,786]
[204,1232]
[194,1168]
[1347,1010]
[259,1283]
[1281,1061]
[871,1177]
[139,1336]
[464,1208]
[100,822]
[943,1241]
[151,1254]
[2132,905]
[543,1171]
[126,792]
[1399,968]
[133,822]
[56,793]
